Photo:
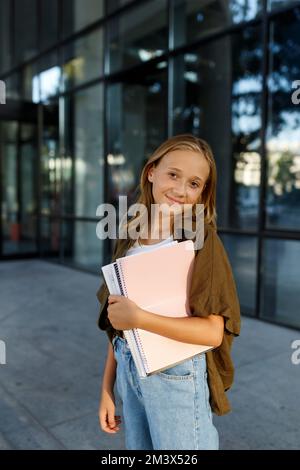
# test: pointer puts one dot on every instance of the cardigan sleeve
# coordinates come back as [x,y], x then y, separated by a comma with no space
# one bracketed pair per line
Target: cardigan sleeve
[213,289]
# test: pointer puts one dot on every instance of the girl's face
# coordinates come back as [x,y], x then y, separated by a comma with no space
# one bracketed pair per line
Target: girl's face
[179,177]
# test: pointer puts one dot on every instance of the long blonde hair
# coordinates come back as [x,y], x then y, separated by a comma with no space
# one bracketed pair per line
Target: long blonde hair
[208,196]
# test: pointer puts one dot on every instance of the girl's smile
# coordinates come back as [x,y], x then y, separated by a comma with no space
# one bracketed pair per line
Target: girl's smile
[174,201]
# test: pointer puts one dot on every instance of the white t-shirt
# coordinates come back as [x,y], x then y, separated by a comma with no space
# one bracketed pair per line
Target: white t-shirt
[137,248]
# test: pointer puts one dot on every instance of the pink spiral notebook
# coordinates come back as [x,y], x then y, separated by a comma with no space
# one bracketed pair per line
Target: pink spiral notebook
[157,281]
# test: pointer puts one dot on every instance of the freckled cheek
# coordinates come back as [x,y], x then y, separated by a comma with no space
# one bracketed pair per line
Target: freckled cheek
[192,197]
[163,186]
[157,192]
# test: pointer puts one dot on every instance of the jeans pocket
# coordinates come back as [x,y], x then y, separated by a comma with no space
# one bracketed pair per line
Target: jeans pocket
[181,371]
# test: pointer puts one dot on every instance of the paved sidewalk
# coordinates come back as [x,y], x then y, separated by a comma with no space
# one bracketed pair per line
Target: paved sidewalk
[49,387]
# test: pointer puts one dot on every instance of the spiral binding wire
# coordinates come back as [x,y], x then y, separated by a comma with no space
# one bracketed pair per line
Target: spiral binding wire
[121,280]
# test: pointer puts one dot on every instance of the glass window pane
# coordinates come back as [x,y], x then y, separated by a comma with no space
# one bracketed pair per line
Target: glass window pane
[138,35]
[19,218]
[50,237]
[49,23]
[41,79]
[30,83]
[137,114]
[280,284]
[77,14]
[113,5]
[5,41]
[195,18]
[283,143]
[51,163]
[13,88]
[83,59]
[84,114]
[25,29]
[217,96]
[82,247]
[242,254]
[10,222]
[273,4]
[28,185]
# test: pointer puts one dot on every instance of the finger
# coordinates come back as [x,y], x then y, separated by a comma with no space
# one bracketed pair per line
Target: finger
[114,298]
[111,421]
[103,423]
[109,429]
[112,430]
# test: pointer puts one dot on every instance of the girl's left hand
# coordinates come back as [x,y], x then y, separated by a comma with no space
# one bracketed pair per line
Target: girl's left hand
[122,312]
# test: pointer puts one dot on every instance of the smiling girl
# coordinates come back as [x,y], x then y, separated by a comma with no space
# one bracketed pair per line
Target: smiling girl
[173,409]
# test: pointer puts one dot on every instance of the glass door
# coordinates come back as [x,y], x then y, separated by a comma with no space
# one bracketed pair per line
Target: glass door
[18,154]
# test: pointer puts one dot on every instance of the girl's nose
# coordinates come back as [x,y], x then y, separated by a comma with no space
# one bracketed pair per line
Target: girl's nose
[180,189]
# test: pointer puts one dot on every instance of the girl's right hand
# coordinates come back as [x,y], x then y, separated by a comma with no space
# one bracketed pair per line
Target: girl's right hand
[109,422]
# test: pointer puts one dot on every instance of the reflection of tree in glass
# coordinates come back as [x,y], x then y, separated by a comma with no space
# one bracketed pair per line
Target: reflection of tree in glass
[244,10]
[285,61]
[246,89]
[282,178]
[284,119]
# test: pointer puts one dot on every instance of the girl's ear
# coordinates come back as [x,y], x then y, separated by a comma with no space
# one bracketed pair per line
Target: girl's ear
[150,174]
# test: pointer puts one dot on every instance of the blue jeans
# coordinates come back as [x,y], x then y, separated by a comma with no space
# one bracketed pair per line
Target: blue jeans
[168,410]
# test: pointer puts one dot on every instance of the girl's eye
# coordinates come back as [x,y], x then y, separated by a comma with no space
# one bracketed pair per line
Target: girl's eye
[194,183]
